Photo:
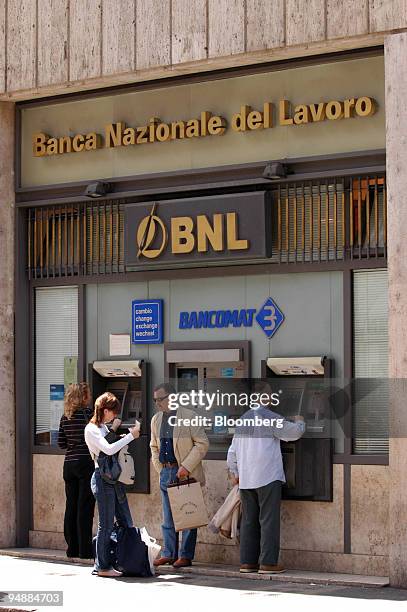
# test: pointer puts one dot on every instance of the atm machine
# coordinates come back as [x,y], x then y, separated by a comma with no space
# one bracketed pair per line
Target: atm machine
[128,381]
[304,383]
[210,366]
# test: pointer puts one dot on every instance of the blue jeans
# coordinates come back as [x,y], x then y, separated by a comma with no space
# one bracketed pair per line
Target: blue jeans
[112,502]
[170,536]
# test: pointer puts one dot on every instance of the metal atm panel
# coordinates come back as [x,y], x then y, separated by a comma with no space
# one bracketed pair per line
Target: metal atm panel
[228,377]
[210,366]
[307,462]
[128,382]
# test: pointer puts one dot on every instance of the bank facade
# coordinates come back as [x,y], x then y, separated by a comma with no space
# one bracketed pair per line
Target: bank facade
[210,229]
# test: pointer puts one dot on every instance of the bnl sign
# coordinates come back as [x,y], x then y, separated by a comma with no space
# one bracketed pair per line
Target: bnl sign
[269,318]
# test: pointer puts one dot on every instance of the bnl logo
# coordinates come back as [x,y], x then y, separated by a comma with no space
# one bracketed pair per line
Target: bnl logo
[269,317]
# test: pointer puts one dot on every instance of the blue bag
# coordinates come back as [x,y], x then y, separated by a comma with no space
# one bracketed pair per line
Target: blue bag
[127,552]
[109,467]
[131,553]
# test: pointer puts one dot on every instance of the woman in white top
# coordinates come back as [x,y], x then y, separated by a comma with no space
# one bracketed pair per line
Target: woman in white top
[111,498]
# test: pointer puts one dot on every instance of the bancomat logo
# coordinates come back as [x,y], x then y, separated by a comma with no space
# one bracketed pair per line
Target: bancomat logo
[269,318]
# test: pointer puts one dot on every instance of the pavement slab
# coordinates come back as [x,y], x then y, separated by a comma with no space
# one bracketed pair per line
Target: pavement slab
[172,590]
[224,571]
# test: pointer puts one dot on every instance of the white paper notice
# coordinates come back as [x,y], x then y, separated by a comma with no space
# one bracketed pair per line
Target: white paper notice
[56,411]
[119,344]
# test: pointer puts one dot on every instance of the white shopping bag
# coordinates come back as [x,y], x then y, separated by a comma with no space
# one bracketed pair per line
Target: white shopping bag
[153,547]
[187,504]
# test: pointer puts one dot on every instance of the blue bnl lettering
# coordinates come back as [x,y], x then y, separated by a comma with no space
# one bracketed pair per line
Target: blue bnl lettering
[212,319]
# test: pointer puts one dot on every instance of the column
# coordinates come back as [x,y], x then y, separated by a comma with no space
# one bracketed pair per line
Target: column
[7,404]
[396,151]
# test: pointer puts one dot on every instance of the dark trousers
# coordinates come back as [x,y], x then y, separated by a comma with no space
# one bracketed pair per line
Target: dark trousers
[260,524]
[80,506]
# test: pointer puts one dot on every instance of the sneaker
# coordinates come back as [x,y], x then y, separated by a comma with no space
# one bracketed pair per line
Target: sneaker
[271,569]
[247,568]
[110,573]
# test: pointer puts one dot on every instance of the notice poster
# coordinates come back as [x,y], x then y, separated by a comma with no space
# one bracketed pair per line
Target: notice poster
[56,400]
[119,344]
[70,371]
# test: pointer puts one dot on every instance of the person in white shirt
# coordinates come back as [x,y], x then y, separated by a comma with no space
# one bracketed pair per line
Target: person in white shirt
[255,463]
[111,498]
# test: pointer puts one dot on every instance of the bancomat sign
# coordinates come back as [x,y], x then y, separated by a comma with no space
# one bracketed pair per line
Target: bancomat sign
[213,228]
[269,318]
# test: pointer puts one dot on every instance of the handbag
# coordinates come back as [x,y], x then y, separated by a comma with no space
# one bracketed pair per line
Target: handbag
[187,504]
[132,553]
[126,462]
[109,467]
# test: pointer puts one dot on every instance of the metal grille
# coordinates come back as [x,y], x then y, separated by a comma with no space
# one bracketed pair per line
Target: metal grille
[330,220]
[76,240]
[312,221]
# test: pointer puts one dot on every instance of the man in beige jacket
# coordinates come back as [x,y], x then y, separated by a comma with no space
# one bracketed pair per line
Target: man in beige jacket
[177,451]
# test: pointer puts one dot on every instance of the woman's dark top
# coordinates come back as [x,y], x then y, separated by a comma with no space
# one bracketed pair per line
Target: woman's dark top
[71,434]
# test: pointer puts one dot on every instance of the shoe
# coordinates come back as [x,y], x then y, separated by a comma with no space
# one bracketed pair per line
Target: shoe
[247,568]
[163,561]
[182,562]
[271,569]
[86,555]
[71,555]
[110,573]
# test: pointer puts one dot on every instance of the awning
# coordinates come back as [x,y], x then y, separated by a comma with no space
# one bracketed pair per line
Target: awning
[299,366]
[109,369]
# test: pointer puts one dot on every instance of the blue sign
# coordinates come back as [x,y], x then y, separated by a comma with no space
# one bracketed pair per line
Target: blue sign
[227,372]
[56,393]
[147,321]
[269,317]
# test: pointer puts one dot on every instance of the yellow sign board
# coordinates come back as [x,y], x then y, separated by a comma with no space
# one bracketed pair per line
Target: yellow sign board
[119,134]
[316,110]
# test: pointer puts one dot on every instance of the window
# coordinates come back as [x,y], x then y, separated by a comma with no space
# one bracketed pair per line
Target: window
[56,348]
[370,366]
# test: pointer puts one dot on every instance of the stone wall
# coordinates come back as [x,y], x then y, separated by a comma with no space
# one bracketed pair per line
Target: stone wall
[50,46]
[311,532]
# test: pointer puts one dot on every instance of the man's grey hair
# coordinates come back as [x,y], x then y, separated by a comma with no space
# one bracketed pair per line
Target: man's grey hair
[167,387]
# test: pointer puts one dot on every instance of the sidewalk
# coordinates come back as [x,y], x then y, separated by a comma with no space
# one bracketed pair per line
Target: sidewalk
[226,571]
[33,579]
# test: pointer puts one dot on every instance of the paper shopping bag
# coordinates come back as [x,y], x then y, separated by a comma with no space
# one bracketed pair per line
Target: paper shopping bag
[187,504]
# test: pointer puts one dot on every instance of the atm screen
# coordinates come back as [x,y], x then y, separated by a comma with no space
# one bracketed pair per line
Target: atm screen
[119,389]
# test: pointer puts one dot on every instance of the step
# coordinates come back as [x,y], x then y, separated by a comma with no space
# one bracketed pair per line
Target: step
[227,571]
